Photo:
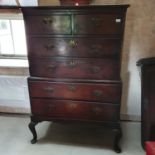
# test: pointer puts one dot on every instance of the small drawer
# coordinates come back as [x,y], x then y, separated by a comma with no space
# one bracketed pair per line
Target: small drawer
[66,109]
[108,24]
[76,91]
[107,69]
[48,24]
[74,47]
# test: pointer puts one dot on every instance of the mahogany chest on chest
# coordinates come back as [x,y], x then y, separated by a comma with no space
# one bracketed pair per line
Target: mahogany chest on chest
[74,61]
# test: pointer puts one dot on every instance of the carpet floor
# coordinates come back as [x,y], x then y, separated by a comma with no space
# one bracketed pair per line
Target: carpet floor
[64,139]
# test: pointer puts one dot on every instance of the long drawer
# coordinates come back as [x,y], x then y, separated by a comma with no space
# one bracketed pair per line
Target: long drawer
[75,110]
[74,47]
[102,92]
[107,69]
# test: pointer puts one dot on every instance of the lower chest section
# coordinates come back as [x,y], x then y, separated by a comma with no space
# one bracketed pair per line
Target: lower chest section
[75,101]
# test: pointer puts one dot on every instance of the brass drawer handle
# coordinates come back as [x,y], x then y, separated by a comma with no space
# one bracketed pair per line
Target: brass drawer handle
[96,110]
[72,64]
[97,93]
[72,105]
[72,88]
[52,106]
[72,43]
[48,20]
[95,69]
[49,47]
[52,67]
[96,49]
[96,21]
[49,89]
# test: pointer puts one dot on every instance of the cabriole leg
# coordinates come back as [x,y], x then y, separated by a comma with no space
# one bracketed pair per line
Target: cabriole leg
[33,130]
[117,139]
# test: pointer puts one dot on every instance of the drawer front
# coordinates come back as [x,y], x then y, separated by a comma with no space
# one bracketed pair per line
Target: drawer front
[48,24]
[107,69]
[98,24]
[66,109]
[74,47]
[76,91]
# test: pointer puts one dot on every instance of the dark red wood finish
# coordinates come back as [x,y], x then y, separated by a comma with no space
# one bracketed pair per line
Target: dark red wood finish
[98,24]
[74,56]
[107,69]
[82,47]
[67,109]
[76,91]
[49,24]
[62,24]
